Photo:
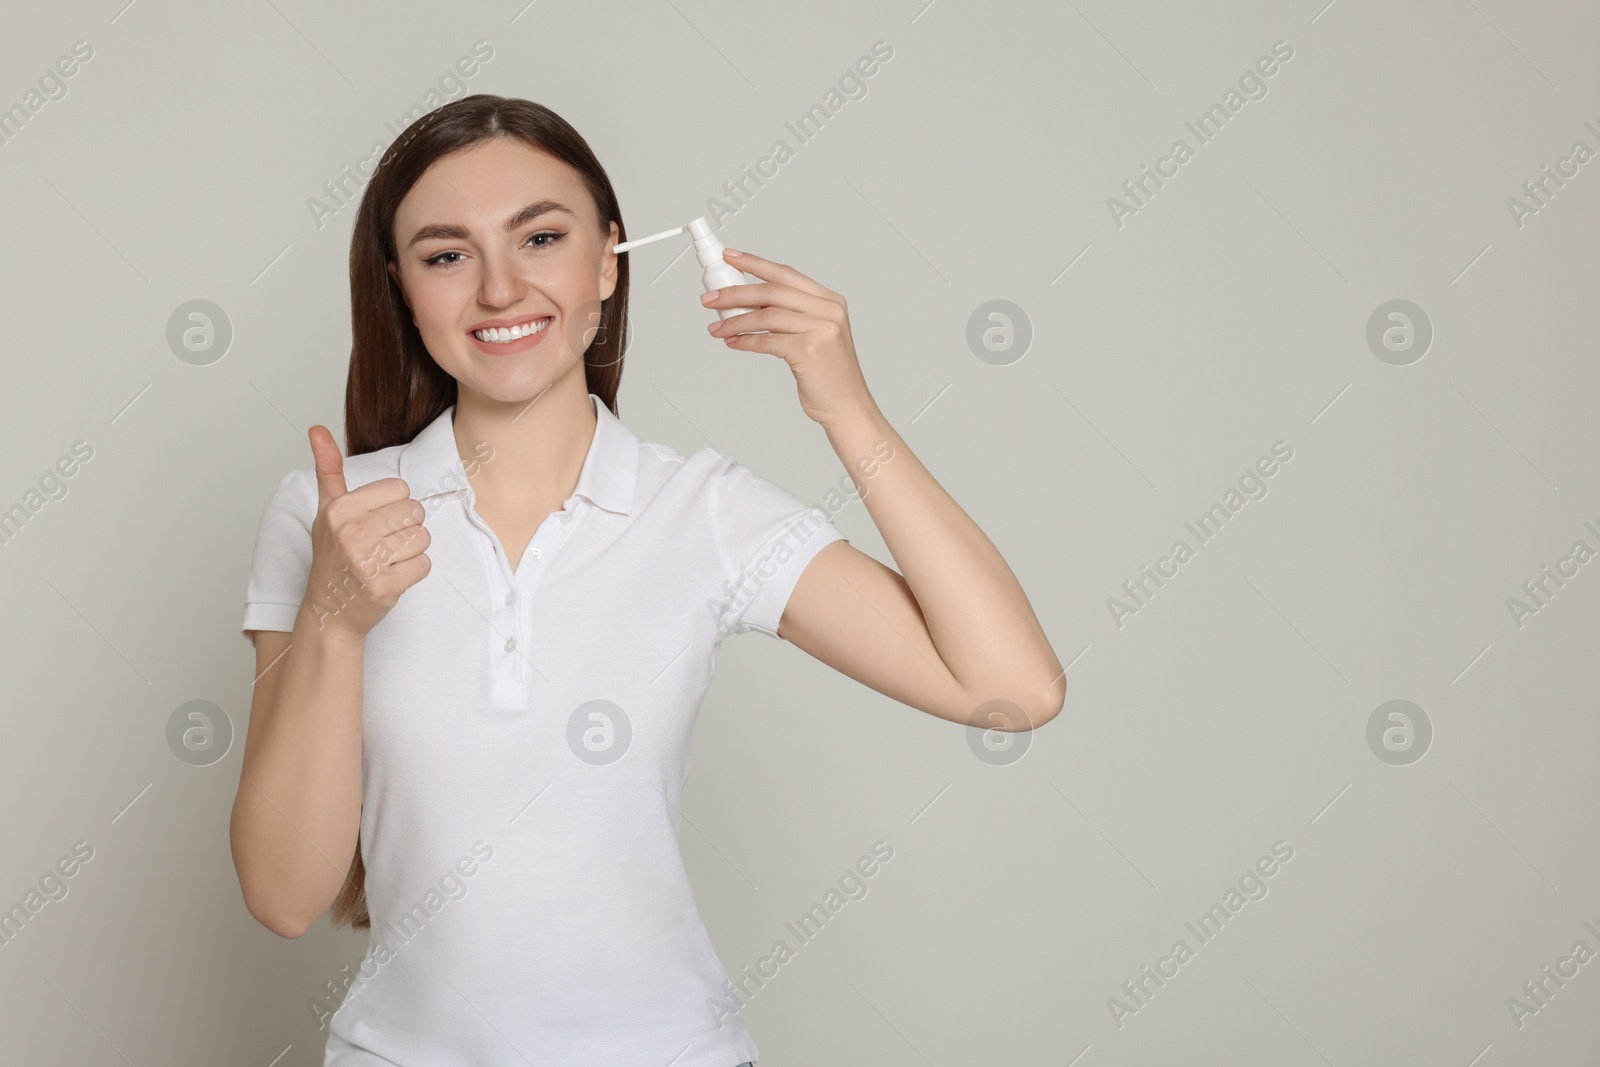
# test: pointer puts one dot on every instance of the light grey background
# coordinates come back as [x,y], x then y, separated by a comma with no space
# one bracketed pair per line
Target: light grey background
[1229,313]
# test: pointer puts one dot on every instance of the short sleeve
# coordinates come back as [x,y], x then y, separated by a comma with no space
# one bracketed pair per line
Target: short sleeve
[281,565]
[765,536]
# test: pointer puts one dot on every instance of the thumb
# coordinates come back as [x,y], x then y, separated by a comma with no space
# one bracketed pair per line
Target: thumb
[330,465]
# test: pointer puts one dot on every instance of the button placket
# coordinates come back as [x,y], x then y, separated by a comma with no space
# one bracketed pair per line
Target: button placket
[509,590]
[505,631]
[547,541]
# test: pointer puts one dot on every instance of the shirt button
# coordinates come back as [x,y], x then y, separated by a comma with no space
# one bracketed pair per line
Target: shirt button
[511,596]
[511,643]
[534,551]
[566,517]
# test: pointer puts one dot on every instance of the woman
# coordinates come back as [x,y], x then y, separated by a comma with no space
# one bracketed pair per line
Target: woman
[504,610]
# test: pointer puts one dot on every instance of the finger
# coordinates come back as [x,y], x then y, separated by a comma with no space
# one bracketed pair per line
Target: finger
[773,344]
[377,494]
[405,542]
[330,465]
[774,320]
[413,570]
[769,294]
[390,534]
[774,272]
[400,514]
[778,342]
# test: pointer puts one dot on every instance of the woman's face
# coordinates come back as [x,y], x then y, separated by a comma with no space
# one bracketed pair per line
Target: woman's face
[502,235]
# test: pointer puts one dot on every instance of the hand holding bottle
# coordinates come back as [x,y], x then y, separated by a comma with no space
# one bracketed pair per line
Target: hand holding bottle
[807,326]
[785,314]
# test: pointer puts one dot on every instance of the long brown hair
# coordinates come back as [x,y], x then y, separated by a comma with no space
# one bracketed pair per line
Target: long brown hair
[395,388]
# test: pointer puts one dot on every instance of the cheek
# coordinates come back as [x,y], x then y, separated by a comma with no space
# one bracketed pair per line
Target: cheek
[571,287]
[435,302]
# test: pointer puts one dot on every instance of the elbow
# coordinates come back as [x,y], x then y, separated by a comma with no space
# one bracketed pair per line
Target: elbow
[1039,714]
[1015,716]
[266,899]
[266,903]
[290,927]
[284,930]
[286,926]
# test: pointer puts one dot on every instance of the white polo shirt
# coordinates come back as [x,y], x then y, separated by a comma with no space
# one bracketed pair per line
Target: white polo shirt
[525,737]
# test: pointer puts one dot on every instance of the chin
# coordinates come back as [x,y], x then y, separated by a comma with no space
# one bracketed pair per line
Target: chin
[515,385]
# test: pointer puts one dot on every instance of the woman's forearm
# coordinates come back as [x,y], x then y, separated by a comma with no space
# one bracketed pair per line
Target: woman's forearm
[976,612]
[298,811]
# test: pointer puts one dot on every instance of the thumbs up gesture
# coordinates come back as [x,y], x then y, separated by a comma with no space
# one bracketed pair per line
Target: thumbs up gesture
[368,545]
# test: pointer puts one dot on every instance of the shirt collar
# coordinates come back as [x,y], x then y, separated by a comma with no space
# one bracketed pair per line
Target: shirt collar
[431,465]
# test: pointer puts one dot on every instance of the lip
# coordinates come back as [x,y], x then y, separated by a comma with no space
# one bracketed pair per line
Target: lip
[521,344]
[495,324]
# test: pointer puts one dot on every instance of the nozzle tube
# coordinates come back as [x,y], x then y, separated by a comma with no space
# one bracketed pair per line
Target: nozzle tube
[624,246]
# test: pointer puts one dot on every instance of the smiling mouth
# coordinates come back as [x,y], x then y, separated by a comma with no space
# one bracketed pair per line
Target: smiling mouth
[505,334]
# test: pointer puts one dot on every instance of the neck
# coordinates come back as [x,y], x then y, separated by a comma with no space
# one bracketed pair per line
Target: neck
[536,447]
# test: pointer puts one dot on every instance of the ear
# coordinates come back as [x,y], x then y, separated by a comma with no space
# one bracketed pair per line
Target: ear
[608,265]
[394,272]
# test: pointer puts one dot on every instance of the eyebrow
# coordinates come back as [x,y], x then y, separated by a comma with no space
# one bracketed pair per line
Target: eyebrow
[454,232]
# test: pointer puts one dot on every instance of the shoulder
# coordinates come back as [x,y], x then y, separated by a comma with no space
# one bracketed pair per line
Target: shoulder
[721,483]
[294,500]
[709,483]
[359,470]
[706,467]
[663,469]
[655,457]
[732,485]
[369,466]
[296,494]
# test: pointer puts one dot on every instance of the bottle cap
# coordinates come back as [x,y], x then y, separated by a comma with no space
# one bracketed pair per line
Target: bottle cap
[707,248]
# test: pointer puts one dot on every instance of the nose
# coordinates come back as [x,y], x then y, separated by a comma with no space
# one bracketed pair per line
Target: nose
[505,280]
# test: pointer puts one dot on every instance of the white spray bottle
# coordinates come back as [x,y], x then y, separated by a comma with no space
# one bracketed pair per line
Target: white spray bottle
[718,272]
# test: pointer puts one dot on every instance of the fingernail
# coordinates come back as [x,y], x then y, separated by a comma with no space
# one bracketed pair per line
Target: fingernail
[706,298]
[731,252]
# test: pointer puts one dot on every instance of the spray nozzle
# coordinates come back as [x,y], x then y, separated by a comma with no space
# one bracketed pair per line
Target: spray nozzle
[707,248]
[717,271]
[637,241]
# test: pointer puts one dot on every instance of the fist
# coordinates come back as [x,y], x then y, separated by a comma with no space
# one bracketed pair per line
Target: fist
[368,546]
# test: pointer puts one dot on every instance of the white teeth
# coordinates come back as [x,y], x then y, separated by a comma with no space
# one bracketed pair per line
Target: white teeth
[504,334]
